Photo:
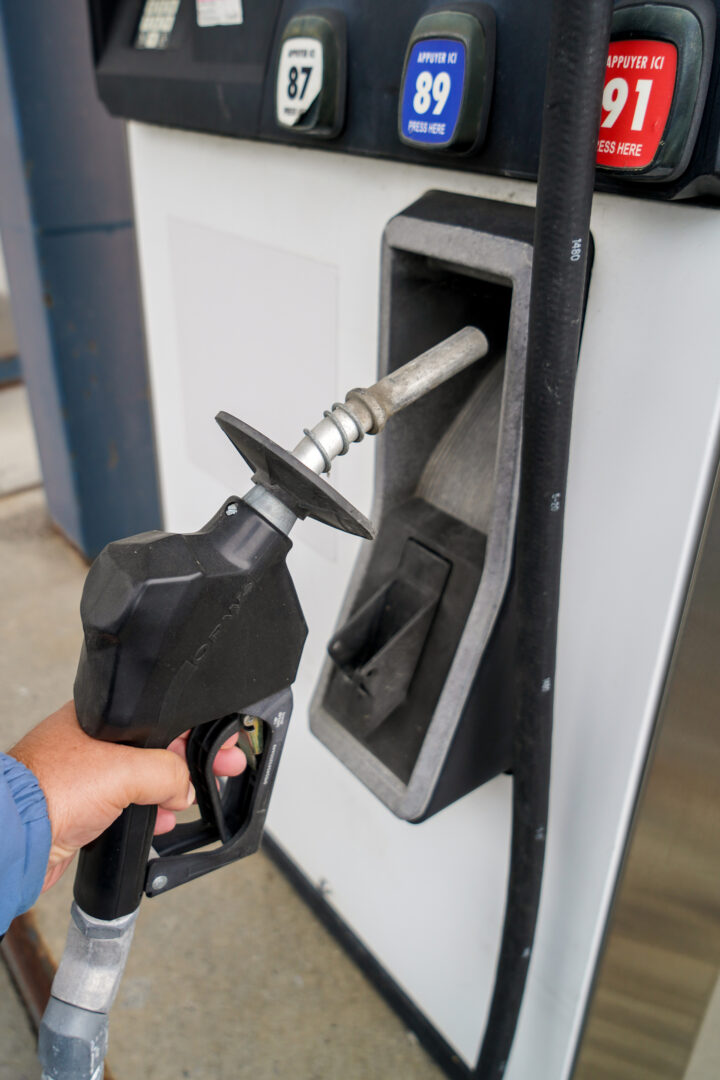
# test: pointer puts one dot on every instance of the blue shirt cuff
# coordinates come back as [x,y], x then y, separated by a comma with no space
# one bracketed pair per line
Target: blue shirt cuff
[25,838]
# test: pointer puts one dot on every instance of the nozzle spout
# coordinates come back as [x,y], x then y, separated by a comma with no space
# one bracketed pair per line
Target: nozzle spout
[286,485]
[366,411]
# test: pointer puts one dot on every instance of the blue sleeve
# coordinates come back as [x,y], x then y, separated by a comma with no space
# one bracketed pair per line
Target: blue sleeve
[24,839]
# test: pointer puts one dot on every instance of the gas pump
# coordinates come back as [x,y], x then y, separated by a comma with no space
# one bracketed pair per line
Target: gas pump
[429,690]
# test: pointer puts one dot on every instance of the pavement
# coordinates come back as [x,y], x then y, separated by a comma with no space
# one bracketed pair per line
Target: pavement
[230,976]
[17,1039]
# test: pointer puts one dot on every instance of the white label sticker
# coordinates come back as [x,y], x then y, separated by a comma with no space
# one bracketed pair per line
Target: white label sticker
[219,12]
[300,77]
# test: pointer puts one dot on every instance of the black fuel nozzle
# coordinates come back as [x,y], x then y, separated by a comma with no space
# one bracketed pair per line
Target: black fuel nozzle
[186,631]
[204,632]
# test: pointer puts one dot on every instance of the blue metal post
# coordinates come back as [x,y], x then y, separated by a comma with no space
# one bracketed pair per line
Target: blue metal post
[67,230]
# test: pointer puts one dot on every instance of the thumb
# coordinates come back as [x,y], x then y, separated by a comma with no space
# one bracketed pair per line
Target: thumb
[156,777]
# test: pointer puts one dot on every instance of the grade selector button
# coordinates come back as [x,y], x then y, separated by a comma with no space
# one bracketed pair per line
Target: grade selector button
[300,78]
[311,74]
[638,93]
[656,80]
[447,79]
[433,90]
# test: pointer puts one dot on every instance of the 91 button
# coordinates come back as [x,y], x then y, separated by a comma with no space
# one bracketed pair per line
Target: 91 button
[656,81]
[638,93]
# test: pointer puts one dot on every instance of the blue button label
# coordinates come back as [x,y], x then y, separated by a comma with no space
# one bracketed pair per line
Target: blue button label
[433,90]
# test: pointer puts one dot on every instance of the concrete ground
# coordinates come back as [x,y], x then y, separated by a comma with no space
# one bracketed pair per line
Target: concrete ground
[230,976]
[17,1040]
[19,465]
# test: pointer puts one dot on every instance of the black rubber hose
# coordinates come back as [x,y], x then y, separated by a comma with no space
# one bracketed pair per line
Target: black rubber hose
[579,37]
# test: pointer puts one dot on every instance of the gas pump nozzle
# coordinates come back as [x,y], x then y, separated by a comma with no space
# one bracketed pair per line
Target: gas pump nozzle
[202,631]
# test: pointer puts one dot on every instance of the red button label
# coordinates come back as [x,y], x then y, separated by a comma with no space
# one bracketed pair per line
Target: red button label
[638,93]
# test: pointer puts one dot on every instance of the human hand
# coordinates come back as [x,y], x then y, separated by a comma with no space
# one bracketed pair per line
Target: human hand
[229,761]
[88,783]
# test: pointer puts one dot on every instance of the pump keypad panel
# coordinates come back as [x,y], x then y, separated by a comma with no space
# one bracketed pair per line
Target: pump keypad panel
[157,23]
[457,84]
